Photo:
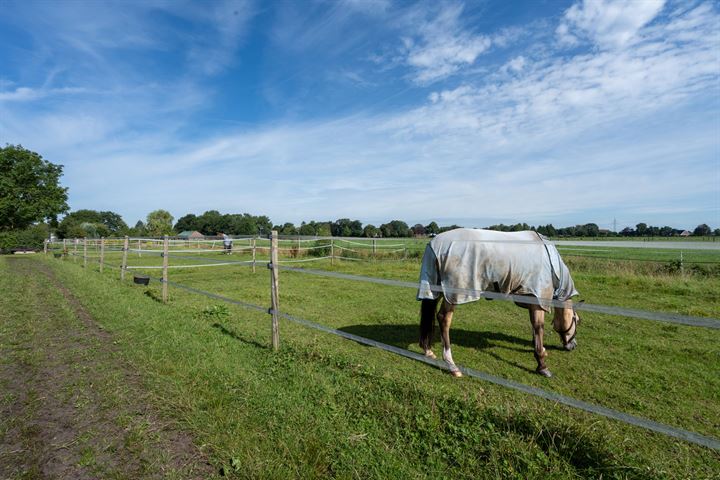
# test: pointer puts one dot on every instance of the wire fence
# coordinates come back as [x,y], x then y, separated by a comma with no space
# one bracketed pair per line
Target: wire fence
[277,265]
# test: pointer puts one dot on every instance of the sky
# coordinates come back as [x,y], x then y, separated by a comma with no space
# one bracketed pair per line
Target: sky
[475,112]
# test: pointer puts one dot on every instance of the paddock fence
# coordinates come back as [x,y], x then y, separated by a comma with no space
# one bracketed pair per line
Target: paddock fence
[186,254]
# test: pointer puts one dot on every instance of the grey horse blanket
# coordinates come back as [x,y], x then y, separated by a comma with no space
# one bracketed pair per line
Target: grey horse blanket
[466,262]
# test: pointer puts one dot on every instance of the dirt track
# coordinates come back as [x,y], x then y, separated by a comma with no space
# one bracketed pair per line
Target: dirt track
[69,407]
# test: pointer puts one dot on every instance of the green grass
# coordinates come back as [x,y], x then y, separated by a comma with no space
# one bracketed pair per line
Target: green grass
[326,407]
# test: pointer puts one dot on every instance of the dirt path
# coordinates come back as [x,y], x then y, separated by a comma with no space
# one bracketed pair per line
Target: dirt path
[69,407]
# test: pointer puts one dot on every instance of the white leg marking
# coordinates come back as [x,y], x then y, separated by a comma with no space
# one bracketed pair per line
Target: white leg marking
[447,356]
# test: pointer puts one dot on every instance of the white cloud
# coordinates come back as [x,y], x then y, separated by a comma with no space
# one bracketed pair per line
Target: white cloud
[20,94]
[26,94]
[515,65]
[442,46]
[607,23]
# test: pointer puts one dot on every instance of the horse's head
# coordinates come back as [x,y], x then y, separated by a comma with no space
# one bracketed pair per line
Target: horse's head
[565,322]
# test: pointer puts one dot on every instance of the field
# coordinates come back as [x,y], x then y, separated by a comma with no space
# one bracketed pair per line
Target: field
[326,407]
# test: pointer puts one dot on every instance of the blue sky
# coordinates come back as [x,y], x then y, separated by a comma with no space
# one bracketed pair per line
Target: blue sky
[475,112]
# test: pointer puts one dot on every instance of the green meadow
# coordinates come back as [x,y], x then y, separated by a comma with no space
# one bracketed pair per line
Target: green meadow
[325,407]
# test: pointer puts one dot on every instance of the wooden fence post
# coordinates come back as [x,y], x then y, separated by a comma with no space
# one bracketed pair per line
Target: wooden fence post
[102,253]
[126,244]
[45,246]
[139,245]
[75,255]
[682,267]
[64,252]
[332,252]
[166,244]
[274,287]
[254,243]
[84,252]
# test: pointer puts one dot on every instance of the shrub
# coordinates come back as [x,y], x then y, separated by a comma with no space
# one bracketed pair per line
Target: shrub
[31,237]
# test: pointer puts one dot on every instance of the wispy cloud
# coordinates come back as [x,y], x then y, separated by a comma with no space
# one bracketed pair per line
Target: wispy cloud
[607,23]
[442,45]
[228,22]
[25,94]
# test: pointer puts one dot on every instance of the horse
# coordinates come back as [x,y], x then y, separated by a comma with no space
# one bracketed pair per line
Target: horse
[458,266]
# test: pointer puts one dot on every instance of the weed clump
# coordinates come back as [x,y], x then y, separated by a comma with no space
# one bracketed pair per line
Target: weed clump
[213,313]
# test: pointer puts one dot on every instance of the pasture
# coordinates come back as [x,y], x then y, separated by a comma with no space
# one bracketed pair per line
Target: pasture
[326,407]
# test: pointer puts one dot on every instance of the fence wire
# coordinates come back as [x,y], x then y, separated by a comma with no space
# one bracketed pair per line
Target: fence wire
[619,311]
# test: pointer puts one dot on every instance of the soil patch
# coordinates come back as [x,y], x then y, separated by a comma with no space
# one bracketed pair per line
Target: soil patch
[69,406]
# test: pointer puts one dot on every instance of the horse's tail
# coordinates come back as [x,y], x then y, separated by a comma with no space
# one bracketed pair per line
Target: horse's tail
[428,310]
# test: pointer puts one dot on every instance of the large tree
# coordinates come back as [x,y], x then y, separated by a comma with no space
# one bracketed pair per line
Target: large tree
[91,223]
[211,222]
[159,223]
[702,229]
[396,228]
[344,227]
[29,188]
[187,222]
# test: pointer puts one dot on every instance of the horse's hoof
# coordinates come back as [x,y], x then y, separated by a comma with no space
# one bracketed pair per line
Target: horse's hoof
[456,373]
[544,372]
[571,346]
[430,355]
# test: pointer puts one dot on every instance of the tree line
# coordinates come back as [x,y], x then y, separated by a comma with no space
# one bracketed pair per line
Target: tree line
[592,230]
[91,223]
[31,199]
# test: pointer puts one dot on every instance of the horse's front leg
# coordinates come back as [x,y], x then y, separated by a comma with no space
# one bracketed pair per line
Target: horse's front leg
[444,317]
[537,319]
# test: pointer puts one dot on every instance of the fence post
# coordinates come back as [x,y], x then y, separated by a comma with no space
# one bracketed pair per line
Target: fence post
[254,242]
[374,248]
[139,252]
[64,252]
[45,245]
[75,255]
[126,244]
[166,244]
[274,287]
[332,252]
[102,253]
[682,267]
[85,252]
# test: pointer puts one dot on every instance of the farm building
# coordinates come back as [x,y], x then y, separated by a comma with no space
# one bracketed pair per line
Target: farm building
[190,235]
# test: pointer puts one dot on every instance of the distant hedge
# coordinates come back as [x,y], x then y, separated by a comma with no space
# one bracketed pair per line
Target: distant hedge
[31,237]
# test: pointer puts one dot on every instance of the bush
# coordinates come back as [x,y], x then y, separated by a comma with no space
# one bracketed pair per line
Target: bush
[31,238]
[319,248]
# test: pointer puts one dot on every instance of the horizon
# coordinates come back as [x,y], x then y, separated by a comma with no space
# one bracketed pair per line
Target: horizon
[468,113]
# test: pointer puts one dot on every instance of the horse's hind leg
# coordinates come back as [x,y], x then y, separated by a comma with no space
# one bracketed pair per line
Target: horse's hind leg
[428,310]
[444,317]
[537,319]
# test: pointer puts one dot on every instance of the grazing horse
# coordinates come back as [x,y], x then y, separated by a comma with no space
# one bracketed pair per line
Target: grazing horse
[461,264]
